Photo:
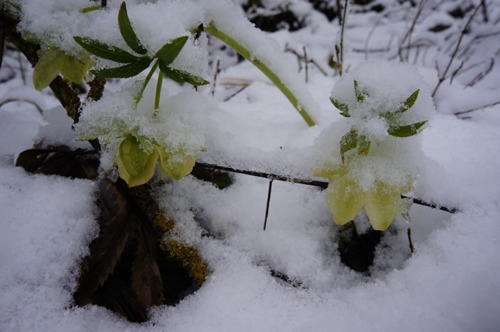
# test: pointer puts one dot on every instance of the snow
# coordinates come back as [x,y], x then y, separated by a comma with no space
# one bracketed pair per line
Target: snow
[450,283]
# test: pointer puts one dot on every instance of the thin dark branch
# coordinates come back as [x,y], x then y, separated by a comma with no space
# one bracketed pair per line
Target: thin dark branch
[485,11]
[443,76]
[477,108]
[215,75]
[236,93]
[412,248]
[306,64]
[268,202]
[2,34]
[410,32]
[265,175]
[13,100]
[319,67]
[309,182]
[482,74]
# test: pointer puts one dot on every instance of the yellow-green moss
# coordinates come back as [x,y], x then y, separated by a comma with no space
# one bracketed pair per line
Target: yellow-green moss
[164,223]
[189,258]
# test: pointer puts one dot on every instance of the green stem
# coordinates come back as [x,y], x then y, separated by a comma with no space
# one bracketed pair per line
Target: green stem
[245,52]
[146,81]
[158,91]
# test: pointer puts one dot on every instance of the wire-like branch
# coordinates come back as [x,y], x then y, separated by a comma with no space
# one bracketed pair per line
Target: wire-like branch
[409,33]
[443,76]
[477,108]
[309,182]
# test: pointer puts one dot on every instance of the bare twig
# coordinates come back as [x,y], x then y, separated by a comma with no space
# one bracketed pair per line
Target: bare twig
[236,93]
[315,183]
[456,71]
[268,202]
[340,53]
[410,32]
[2,34]
[485,11]
[319,67]
[482,74]
[14,100]
[412,248]
[443,76]
[306,61]
[215,74]
[477,108]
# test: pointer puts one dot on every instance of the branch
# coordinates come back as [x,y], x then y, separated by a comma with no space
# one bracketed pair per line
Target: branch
[477,108]
[309,182]
[455,51]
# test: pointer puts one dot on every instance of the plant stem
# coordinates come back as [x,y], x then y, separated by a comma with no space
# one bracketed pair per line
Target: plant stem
[146,81]
[158,91]
[245,52]
[344,15]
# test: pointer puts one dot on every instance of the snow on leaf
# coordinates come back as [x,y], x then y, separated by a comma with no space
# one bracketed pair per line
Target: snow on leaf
[342,107]
[105,51]
[182,76]
[128,70]
[170,50]
[407,130]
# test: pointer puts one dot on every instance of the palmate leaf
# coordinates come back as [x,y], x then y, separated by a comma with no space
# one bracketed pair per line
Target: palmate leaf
[105,51]
[342,107]
[406,131]
[129,70]
[363,145]
[182,76]
[128,32]
[348,142]
[360,93]
[409,102]
[171,50]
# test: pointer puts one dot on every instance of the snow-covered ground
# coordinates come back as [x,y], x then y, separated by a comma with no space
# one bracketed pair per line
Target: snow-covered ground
[450,283]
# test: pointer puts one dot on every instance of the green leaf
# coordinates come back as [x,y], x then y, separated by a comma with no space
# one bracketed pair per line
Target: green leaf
[360,94]
[343,108]
[408,103]
[182,76]
[406,131]
[129,70]
[348,142]
[171,50]
[105,51]
[128,32]
[135,165]
[363,145]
